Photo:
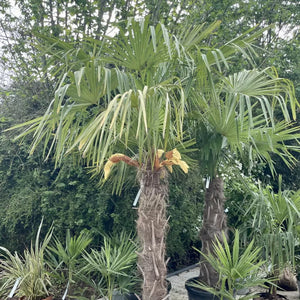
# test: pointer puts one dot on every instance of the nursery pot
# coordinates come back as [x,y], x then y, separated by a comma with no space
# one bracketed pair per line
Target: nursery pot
[195,293]
[132,296]
[119,296]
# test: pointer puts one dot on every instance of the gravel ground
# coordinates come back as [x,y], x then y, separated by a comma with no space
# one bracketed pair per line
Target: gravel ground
[178,291]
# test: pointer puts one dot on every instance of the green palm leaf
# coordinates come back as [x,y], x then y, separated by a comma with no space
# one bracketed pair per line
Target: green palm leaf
[236,270]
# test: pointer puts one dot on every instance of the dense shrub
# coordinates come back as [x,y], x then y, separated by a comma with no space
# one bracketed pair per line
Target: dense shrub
[72,200]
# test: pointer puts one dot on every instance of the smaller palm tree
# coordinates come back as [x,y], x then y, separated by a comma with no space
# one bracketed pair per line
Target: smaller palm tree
[235,117]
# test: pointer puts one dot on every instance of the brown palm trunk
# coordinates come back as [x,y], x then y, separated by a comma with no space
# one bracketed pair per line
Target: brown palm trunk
[214,223]
[151,227]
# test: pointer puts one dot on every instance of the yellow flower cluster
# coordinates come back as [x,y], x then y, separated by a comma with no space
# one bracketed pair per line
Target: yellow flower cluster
[173,158]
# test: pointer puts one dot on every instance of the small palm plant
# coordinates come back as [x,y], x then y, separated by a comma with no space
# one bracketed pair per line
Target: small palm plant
[67,257]
[30,270]
[114,266]
[236,270]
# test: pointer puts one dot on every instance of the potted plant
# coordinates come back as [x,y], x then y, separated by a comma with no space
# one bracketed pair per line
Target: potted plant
[117,96]
[227,127]
[65,260]
[275,218]
[236,269]
[112,270]
[27,275]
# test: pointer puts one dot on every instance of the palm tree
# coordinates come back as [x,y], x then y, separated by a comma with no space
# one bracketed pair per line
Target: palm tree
[119,101]
[236,118]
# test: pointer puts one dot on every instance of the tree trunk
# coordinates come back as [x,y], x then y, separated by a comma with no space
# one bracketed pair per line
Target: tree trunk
[214,223]
[152,225]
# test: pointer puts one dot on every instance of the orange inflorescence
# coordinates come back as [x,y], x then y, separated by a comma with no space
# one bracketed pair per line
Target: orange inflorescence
[169,154]
[173,157]
[115,158]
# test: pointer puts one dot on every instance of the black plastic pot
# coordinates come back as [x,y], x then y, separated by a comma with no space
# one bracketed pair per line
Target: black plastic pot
[129,296]
[132,296]
[195,293]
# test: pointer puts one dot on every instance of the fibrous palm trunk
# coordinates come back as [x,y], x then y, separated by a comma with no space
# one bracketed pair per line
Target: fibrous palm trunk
[151,227]
[214,223]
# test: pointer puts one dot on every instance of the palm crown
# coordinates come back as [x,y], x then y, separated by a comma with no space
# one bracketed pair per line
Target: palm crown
[237,114]
[134,103]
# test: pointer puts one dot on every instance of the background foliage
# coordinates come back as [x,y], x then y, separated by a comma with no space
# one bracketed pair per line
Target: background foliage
[30,189]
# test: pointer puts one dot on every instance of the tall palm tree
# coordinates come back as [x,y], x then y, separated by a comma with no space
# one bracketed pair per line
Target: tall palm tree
[236,117]
[119,101]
